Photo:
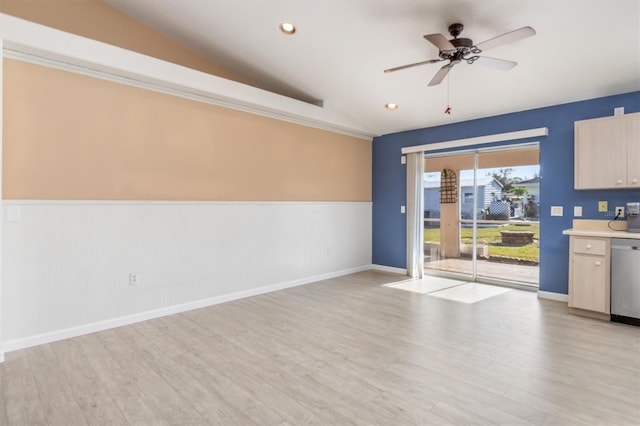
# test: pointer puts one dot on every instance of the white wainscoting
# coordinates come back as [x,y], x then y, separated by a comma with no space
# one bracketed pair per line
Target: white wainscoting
[67,264]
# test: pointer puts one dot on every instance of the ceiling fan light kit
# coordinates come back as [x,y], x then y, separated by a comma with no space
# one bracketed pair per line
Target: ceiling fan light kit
[459,49]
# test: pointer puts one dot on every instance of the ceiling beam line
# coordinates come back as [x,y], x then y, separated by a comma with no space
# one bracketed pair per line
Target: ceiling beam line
[35,43]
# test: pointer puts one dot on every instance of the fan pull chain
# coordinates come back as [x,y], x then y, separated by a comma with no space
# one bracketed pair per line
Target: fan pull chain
[448,110]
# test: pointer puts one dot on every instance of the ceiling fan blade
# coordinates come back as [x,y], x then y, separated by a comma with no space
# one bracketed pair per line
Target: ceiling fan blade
[440,75]
[505,38]
[495,63]
[440,41]
[404,67]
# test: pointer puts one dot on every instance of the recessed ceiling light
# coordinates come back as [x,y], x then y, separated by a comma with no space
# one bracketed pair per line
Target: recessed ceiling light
[287,28]
[391,106]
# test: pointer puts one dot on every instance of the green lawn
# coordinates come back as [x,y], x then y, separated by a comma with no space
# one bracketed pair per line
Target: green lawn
[491,237]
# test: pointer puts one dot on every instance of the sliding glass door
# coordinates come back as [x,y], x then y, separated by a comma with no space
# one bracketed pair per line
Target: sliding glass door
[443,245]
[481,214]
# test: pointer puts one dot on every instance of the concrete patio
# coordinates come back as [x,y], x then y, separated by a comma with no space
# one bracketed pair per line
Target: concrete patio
[522,274]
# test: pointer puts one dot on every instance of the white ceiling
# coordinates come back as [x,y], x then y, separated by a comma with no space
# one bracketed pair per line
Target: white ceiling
[583,49]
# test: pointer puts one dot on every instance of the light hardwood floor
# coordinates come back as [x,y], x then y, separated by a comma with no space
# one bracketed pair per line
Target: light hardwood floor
[343,351]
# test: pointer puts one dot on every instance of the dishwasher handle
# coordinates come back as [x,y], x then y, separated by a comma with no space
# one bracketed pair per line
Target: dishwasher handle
[626,247]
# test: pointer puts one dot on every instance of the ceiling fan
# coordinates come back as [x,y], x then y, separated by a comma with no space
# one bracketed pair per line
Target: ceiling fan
[461,49]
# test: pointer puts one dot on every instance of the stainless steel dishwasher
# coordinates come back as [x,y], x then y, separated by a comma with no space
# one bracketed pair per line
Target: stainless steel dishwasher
[625,280]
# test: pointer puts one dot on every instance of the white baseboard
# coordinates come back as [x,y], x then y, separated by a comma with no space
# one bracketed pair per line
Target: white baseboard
[553,296]
[389,269]
[40,339]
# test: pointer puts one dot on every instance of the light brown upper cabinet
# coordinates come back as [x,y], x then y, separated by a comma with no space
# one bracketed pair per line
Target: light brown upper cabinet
[607,152]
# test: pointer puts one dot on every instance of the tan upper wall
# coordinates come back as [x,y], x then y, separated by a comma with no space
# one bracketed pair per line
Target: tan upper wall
[73,137]
[99,21]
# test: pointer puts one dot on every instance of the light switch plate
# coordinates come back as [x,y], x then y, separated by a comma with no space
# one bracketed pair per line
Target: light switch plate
[14,214]
[603,206]
[403,209]
[403,159]
[556,211]
[577,211]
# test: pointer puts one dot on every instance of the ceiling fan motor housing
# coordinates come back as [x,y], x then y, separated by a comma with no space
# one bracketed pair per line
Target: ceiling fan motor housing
[461,43]
[463,47]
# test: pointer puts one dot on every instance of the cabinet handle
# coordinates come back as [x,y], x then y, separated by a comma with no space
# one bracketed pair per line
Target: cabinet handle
[598,263]
[618,182]
[588,246]
[634,181]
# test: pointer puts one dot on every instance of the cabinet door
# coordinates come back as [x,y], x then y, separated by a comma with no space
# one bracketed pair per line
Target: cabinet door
[589,283]
[633,151]
[601,153]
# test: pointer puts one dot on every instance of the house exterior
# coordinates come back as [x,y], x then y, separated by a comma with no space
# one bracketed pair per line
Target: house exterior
[533,186]
[531,201]
[489,189]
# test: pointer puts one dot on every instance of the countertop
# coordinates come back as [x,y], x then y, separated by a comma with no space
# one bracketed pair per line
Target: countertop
[601,233]
[600,228]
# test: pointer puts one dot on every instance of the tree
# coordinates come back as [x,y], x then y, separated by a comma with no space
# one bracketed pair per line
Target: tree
[503,176]
[518,191]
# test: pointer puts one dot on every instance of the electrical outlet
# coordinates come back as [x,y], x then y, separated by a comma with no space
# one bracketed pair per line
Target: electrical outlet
[619,211]
[603,206]
[135,278]
[557,211]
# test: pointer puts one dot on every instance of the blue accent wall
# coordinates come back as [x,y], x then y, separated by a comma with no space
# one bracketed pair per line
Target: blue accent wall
[556,169]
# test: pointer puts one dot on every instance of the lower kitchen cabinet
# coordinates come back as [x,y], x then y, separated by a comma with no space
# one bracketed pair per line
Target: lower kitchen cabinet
[589,274]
